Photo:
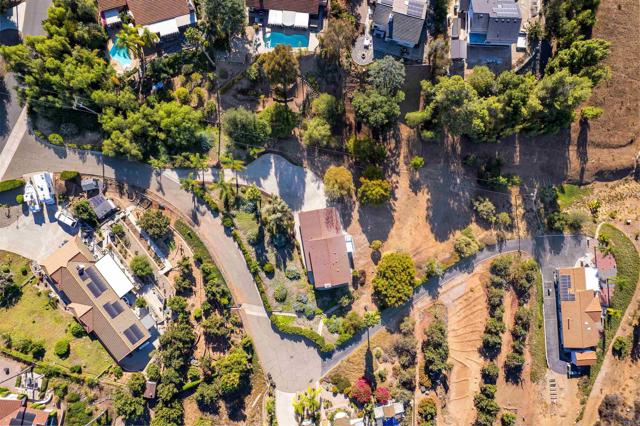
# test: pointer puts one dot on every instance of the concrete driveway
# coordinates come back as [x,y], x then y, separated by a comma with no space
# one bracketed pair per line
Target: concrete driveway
[35,236]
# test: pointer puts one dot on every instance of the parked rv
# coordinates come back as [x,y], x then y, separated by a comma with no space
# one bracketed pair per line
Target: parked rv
[43,183]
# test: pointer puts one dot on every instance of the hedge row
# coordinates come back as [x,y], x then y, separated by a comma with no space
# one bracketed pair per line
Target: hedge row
[47,369]
[254,268]
[8,185]
[285,325]
[191,385]
[200,252]
[196,188]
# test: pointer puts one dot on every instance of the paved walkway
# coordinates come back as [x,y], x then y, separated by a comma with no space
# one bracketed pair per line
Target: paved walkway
[13,141]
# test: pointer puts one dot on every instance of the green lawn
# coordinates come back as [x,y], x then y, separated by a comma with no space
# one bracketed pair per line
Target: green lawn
[569,194]
[19,266]
[628,262]
[32,317]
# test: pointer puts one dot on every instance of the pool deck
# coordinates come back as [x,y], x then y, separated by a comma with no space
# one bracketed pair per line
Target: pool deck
[117,65]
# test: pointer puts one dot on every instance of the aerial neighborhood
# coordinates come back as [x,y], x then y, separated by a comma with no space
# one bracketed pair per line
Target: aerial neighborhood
[319,213]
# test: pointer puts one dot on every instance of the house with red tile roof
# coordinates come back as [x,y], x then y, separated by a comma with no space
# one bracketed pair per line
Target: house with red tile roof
[167,18]
[289,14]
[14,412]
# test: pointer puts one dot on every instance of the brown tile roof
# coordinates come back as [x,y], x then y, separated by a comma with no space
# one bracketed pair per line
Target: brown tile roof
[147,12]
[581,320]
[607,267]
[586,358]
[72,250]
[324,247]
[94,311]
[104,5]
[13,413]
[303,6]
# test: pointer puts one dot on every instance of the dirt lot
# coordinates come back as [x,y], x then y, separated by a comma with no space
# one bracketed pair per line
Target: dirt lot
[466,317]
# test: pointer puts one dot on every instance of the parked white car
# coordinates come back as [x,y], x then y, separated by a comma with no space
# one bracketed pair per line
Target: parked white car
[65,217]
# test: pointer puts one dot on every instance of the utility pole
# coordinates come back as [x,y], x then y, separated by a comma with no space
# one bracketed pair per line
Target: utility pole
[518,225]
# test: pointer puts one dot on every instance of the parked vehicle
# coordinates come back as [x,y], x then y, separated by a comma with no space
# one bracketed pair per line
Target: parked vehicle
[65,217]
[31,198]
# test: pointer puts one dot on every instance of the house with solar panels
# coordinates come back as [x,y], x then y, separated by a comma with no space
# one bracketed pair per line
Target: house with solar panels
[580,313]
[91,291]
[491,22]
[399,21]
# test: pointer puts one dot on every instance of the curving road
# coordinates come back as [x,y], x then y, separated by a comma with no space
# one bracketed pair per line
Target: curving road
[292,363]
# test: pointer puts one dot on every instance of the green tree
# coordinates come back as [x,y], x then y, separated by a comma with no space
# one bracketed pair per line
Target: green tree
[338,182]
[483,80]
[281,120]
[281,66]
[395,279]
[326,107]
[131,408]
[621,347]
[235,165]
[435,349]
[438,56]
[154,223]
[583,58]
[336,41]
[136,384]
[62,348]
[427,411]
[465,246]
[83,211]
[232,371]
[207,396]
[224,18]
[387,75]
[317,132]
[306,405]
[508,419]
[374,191]
[375,109]
[245,127]
[591,112]
[277,216]
[140,266]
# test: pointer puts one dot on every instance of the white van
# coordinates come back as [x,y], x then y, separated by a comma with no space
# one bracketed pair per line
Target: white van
[65,217]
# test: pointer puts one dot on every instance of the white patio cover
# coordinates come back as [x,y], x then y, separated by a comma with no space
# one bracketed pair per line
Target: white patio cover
[302,20]
[111,16]
[275,17]
[164,28]
[288,18]
[114,275]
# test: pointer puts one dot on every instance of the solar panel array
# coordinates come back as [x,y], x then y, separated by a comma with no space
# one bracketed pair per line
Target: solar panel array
[113,309]
[133,334]
[564,286]
[415,8]
[97,285]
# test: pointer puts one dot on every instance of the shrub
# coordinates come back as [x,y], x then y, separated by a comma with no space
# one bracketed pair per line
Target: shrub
[11,184]
[182,95]
[485,210]
[280,293]
[427,411]
[395,279]
[69,175]
[374,191]
[19,199]
[504,220]
[416,163]
[490,373]
[361,391]
[375,245]
[621,347]
[154,223]
[140,266]
[465,246]
[513,365]
[55,139]
[338,182]
[282,119]
[268,268]
[508,419]
[366,150]
[382,395]
[292,274]
[76,329]
[325,106]
[341,382]
[38,350]
[76,369]
[83,211]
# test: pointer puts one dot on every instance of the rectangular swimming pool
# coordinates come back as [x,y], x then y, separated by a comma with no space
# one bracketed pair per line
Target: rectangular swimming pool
[475,38]
[275,38]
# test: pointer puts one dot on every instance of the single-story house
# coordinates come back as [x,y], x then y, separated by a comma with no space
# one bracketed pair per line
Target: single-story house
[14,412]
[290,13]
[167,18]
[580,313]
[91,298]
[399,21]
[328,250]
[101,206]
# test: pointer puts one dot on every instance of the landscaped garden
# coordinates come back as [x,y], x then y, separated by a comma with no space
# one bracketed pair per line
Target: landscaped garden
[34,325]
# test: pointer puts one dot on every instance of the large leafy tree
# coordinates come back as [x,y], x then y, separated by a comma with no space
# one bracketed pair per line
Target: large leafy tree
[277,216]
[155,223]
[583,58]
[387,75]
[245,127]
[395,279]
[281,66]
[375,109]
[225,18]
[338,182]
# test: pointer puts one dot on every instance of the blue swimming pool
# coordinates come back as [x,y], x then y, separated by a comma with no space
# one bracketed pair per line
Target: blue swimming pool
[120,55]
[475,38]
[275,38]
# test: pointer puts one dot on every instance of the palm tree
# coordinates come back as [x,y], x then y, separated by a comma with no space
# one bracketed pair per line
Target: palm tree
[231,163]
[199,162]
[135,39]
[226,192]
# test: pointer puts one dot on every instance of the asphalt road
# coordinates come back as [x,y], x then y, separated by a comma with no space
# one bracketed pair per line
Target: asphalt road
[35,13]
